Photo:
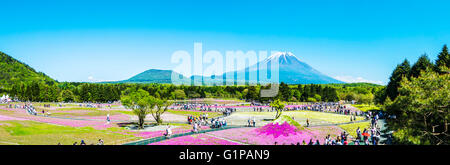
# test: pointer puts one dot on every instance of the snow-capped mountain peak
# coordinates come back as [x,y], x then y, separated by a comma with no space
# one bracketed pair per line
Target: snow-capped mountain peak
[280,55]
[283,58]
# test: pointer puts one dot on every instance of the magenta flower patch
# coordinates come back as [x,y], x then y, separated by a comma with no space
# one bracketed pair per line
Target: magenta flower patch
[199,139]
[277,130]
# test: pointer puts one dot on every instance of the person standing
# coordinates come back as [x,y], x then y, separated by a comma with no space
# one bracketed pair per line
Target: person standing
[358,134]
[108,119]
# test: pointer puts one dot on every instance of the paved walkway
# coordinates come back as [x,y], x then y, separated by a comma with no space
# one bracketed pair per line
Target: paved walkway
[384,131]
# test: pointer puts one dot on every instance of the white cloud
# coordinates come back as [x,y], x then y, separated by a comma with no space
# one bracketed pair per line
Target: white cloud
[92,79]
[351,79]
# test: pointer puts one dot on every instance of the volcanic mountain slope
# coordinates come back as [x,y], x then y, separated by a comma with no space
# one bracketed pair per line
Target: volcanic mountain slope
[291,71]
[154,76]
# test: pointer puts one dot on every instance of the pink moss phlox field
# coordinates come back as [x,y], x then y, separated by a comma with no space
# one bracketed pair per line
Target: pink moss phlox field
[282,134]
[276,129]
[69,122]
[111,117]
[152,134]
[3,118]
[199,139]
[238,106]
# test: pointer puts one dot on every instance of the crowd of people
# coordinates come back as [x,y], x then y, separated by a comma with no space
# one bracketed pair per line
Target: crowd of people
[30,109]
[82,142]
[369,136]
[333,107]
[218,122]
[202,107]
[202,120]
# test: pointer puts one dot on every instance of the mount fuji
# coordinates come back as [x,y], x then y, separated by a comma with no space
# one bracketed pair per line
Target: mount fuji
[291,71]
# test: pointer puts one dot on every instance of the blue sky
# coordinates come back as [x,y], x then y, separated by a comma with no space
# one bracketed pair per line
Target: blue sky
[114,40]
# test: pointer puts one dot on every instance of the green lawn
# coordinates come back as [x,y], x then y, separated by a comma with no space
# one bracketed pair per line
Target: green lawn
[94,112]
[76,108]
[366,107]
[125,112]
[351,128]
[36,133]
[303,115]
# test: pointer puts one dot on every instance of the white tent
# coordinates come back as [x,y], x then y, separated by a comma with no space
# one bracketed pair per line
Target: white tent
[5,98]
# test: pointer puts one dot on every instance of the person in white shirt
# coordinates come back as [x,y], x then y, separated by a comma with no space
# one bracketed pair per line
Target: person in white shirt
[168,131]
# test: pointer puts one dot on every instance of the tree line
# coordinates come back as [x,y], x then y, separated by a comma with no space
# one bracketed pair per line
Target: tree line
[419,96]
[38,91]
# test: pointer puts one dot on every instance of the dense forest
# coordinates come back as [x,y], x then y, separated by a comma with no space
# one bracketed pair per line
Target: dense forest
[419,97]
[100,92]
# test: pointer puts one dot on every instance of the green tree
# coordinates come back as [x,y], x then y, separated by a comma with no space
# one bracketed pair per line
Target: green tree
[310,99]
[297,95]
[422,109]
[279,106]
[402,70]
[252,94]
[422,64]
[66,96]
[317,97]
[161,107]
[443,59]
[179,94]
[140,102]
[380,95]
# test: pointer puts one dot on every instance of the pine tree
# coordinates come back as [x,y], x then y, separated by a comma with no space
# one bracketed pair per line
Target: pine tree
[421,65]
[443,59]
[402,70]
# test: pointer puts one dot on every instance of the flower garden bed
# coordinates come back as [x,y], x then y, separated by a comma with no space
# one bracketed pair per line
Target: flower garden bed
[198,139]
[282,134]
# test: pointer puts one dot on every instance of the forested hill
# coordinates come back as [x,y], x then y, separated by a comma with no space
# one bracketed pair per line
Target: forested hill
[13,71]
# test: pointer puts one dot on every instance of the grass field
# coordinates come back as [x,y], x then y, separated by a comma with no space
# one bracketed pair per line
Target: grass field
[84,113]
[76,108]
[351,128]
[312,115]
[366,107]
[36,133]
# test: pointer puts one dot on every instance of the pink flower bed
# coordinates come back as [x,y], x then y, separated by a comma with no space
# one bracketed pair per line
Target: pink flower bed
[282,134]
[278,129]
[70,111]
[198,139]
[241,106]
[14,110]
[69,122]
[4,118]
[177,130]
[112,117]
[321,132]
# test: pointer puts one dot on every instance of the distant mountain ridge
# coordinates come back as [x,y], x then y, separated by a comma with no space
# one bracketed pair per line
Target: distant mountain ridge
[291,71]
